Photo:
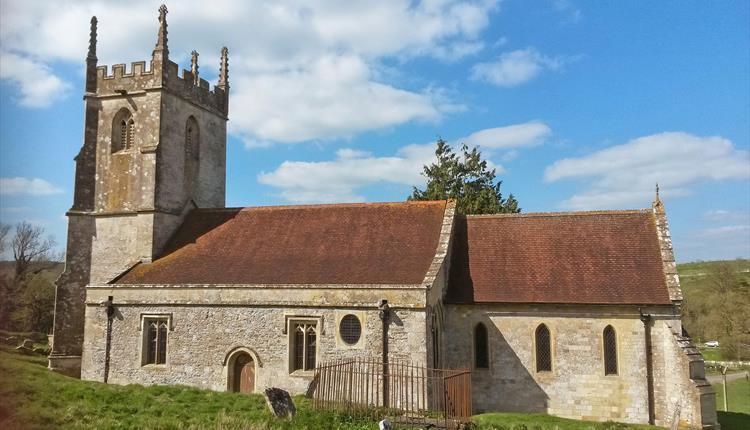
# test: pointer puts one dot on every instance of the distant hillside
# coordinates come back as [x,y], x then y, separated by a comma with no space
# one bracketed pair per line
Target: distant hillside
[699,269]
[51,269]
[716,304]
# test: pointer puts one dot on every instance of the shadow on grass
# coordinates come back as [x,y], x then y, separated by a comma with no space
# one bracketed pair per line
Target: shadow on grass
[733,420]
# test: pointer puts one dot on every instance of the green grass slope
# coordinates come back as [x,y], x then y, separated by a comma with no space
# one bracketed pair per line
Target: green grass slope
[32,397]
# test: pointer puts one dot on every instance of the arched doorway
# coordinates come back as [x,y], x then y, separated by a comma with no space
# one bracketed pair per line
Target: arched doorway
[243,374]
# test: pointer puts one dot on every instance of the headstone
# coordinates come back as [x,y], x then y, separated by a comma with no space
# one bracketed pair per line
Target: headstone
[280,402]
[24,350]
[28,343]
[385,424]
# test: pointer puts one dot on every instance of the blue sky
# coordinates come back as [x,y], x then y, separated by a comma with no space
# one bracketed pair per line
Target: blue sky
[579,105]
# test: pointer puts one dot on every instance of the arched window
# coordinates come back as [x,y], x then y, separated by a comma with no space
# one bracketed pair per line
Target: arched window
[609,340]
[123,130]
[192,137]
[543,349]
[481,350]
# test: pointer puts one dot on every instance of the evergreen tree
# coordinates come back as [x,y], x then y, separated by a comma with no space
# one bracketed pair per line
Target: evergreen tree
[466,179]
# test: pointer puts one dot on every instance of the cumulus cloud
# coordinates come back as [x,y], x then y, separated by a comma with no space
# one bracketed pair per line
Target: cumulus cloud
[624,175]
[516,67]
[338,180]
[333,97]
[726,215]
[28,186]
[37,85]
[725,230]
[513,136]
[299,71]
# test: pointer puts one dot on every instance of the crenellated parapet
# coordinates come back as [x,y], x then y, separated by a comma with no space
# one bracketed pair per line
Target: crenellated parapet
[140,77]
[158,74]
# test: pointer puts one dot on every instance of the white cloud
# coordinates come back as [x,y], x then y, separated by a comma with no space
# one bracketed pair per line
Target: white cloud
[339,180]
[625,175]
[299,70]
[516,67]
[725,230]
[513,136]
[334,97]
[37,85]
[29,186]
[725,215]
[574,14]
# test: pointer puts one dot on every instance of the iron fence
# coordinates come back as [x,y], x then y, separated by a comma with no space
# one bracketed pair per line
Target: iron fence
[404,392]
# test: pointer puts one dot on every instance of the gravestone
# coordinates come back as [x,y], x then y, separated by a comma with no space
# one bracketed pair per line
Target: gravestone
[280,402]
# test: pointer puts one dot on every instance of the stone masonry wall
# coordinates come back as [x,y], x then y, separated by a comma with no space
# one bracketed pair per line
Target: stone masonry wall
[576,387]
[171,197]
[202,336]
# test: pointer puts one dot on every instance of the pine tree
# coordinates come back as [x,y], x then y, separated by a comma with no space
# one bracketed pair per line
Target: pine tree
[467,180]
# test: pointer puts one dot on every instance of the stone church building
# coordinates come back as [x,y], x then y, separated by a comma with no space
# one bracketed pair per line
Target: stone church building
[574,314]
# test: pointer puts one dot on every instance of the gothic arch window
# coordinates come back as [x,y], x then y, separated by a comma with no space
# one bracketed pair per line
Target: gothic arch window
[192,137]
[609,341]
[123,130]
[481,347]
[543,342]
[155,339]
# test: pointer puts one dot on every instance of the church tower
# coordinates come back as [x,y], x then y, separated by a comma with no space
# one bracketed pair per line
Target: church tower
[154,148]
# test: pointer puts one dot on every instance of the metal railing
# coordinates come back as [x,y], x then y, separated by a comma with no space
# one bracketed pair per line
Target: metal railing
[405,393]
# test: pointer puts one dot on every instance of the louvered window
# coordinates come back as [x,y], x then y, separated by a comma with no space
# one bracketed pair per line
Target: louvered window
[123,130]
[481,350]
[543,349]
[130,134]
[192,136]
[609,339]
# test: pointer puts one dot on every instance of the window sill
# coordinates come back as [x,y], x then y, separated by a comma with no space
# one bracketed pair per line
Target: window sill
[154,366]
[302,373]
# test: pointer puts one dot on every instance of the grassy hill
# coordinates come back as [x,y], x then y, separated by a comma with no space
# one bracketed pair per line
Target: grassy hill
[32,397]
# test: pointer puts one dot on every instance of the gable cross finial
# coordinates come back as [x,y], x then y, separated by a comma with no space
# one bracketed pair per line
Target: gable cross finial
[224,68]
[161,41]
[194,66]
[92,41]
[657,204]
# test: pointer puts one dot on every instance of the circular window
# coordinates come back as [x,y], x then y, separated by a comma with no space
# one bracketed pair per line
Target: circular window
[350,329]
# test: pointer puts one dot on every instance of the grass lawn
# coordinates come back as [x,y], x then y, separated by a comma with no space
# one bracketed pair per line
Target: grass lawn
[738,416]
[32,397]
[712,354]
[512,421]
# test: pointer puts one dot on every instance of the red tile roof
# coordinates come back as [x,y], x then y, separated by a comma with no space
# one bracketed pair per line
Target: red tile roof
[377,243]
[586,257]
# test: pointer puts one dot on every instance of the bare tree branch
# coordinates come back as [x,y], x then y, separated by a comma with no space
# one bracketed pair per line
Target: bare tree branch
[29,246]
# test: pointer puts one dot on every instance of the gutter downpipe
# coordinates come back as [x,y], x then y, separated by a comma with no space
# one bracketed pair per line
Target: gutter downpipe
[384,314]
[108,345]
[646,319]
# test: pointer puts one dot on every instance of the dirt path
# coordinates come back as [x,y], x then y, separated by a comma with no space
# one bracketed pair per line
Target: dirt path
[730,377]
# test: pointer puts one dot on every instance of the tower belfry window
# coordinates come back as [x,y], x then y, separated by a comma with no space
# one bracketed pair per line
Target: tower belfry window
[123,131]
[192,137]
[130,133]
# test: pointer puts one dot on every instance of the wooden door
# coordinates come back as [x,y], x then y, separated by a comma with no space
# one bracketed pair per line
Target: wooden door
[244,374]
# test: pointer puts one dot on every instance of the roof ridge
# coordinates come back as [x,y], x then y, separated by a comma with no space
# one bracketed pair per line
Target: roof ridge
[556,214]
[324,205]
